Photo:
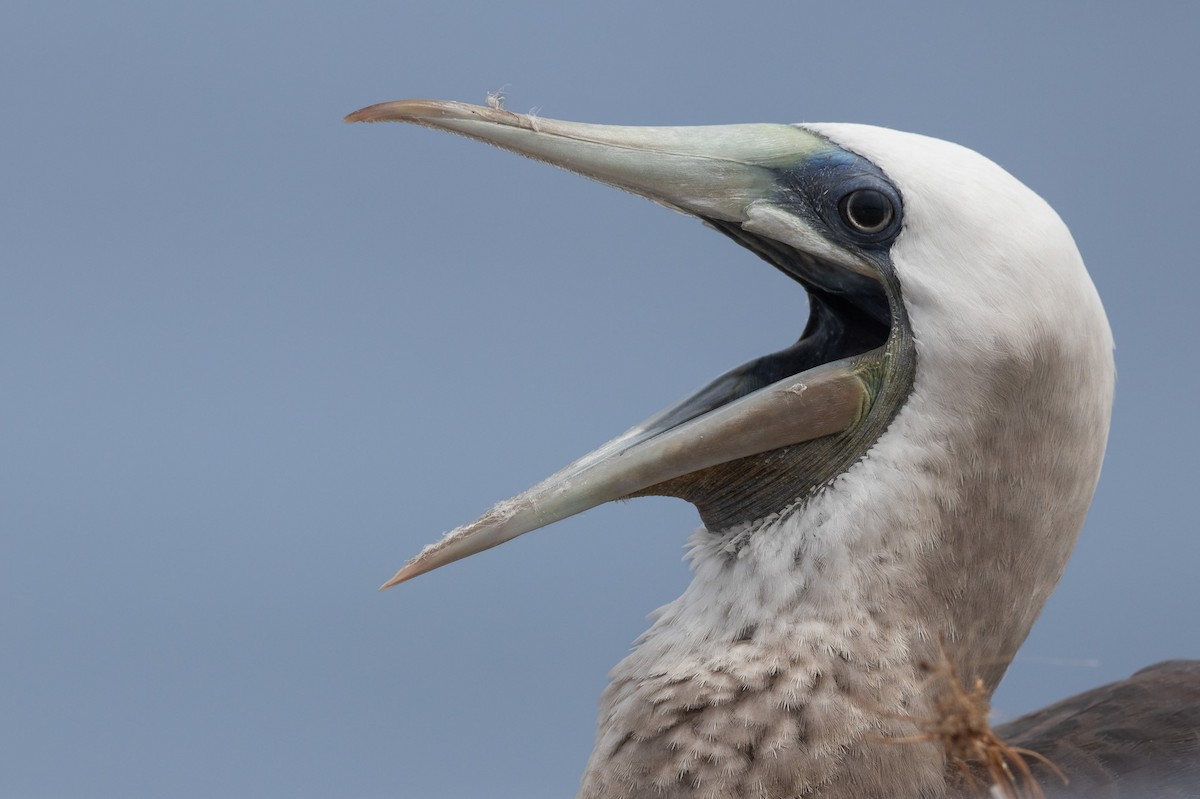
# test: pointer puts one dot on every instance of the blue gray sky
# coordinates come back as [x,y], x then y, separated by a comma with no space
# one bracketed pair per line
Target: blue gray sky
[254,358]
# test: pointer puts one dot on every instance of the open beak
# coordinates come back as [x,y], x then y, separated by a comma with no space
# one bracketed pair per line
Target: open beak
[729,176]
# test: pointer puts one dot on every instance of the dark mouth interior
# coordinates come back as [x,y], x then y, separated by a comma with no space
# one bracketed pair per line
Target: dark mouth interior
[848,315]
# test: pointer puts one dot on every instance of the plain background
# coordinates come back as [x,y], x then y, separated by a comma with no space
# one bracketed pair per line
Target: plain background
[251,359]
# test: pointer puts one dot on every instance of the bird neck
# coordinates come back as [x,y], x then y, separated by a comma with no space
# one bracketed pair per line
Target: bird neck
[778,671]
[799,654]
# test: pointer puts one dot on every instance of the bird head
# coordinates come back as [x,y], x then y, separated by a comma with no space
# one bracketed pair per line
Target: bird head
[929,270]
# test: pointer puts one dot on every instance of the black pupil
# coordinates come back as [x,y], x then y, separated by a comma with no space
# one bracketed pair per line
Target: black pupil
[866,210]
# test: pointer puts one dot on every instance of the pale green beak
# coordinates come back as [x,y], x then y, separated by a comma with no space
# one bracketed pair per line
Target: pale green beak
[728,173]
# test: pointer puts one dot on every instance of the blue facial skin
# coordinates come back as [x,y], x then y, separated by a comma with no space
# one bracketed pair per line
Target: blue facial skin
[849,313]
[814,188]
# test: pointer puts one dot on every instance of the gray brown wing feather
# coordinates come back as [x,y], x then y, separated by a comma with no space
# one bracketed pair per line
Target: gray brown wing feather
[1137,738]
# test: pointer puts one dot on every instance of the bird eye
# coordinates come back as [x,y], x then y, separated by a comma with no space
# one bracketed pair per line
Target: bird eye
[866,210]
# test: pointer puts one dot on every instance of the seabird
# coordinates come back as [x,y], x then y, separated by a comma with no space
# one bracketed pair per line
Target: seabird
[887,503]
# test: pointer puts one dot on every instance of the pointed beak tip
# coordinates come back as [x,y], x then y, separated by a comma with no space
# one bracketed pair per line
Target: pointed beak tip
[414,568]
[395,581]
[398,111]
[424,112]
[369,114]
